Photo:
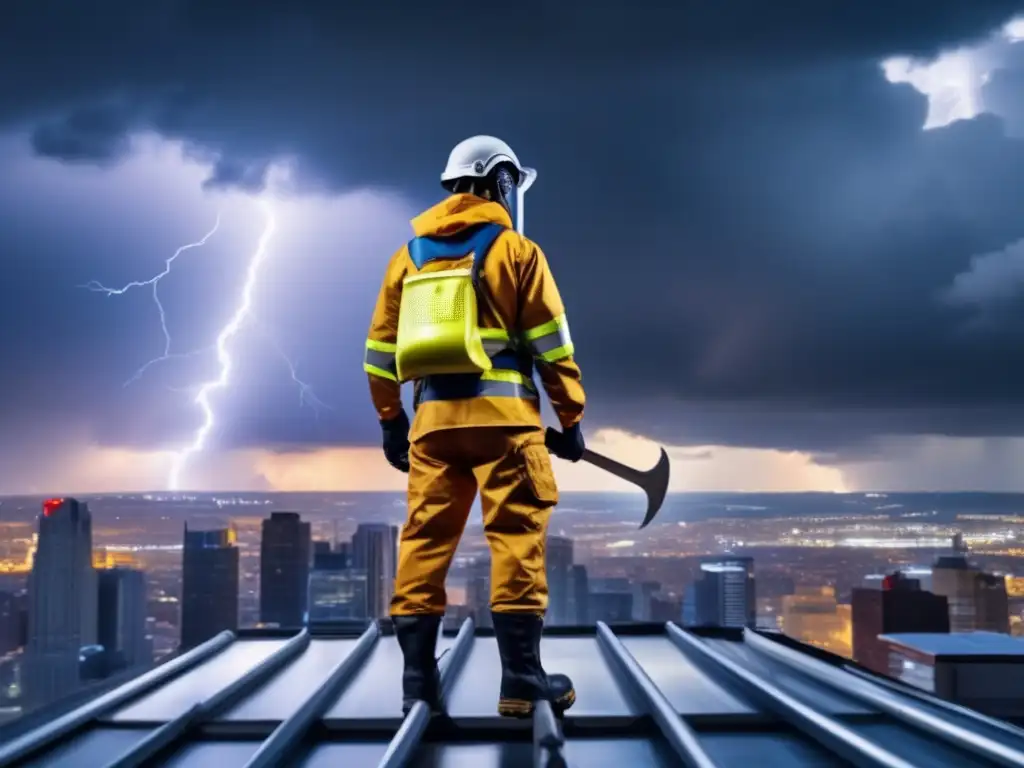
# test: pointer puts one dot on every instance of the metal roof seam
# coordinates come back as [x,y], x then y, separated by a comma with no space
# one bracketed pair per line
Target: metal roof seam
[676,732]
[293,729]
[826,731]
[548,741]
[45,736]
[889,703]
[164,738]
[402,748]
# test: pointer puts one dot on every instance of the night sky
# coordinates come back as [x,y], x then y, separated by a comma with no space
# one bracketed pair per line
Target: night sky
[795,266]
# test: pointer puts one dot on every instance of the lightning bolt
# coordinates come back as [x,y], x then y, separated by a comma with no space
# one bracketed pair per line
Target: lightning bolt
[243,313]
[306,394]
[154,283]
[227,333]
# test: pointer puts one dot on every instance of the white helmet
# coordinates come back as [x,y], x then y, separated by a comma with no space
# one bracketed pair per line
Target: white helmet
[477,156]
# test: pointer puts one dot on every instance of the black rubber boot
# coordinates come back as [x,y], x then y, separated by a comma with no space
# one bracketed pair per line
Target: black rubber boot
[417,636]
[523,680]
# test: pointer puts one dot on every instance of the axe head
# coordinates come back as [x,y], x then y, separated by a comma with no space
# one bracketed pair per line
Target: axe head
[655,485]
[654,481]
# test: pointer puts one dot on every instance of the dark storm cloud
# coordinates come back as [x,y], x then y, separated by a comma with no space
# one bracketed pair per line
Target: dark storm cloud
[740,209]
[93,134]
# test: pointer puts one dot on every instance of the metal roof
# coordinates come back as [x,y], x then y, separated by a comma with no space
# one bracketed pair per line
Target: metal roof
[979,644]
[651,695]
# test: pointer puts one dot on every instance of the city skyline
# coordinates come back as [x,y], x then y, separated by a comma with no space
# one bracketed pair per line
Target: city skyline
[823,237]
[923,588]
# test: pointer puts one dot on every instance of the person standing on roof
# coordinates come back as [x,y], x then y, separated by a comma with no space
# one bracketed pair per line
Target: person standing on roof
[468,311]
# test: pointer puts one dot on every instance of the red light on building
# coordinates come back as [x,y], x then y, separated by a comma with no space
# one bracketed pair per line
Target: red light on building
[51,505]
[888,582]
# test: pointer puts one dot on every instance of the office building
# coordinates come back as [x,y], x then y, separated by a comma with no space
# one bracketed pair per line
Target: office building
[336,592]
[285,554]
[375,552]
[611,607]
[478,591]
[62,602]
[813,616]
[121,625]
[901,606]
[10,623]
[977,600]
[980,670]
[643,596]
[209,585]
[665,608]
[328,558]
[559,557]
[723,595]
[580,596]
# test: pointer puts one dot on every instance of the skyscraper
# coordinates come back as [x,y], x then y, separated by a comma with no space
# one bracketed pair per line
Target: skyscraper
[336,592]
[643,597]
[62,601]
[900,606]
[559,572]
[284,569]
[611,607]
[478,591]
[209,585]
[723,595]
[580,595]
[10,620]
[122,618]
[374,551]
[977,600]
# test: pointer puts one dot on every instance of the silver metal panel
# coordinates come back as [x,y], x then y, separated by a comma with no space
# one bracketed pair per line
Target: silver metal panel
[169,701]
[290,688]
[826,700]
[597,692]
[592,753]
[475,693]
[92,747]
[917,747]
[351,754]
[376,692]
[212,754]
[617,753]
[690,690]
[736,749]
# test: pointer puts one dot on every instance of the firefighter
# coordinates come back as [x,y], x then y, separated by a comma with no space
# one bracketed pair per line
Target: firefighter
[469,311]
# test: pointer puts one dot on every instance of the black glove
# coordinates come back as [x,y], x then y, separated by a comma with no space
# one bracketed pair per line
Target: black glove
[396,441]
[568,445]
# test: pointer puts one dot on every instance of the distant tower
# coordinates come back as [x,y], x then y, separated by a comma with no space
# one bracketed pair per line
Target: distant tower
[284,569]
[559,572]
[374,552]
[977,600]
[10,619]
[900,606]
[478,591]
[209,585]
[62,601]
[959,547]
[724,595]
[122,618]
[580,595]
[336,592]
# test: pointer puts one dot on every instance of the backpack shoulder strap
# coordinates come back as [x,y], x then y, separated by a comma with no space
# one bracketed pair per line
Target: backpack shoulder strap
[483,240]
[476,240]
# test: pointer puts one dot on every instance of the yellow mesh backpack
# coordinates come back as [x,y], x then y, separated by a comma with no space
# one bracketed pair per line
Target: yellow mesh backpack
[438,322]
